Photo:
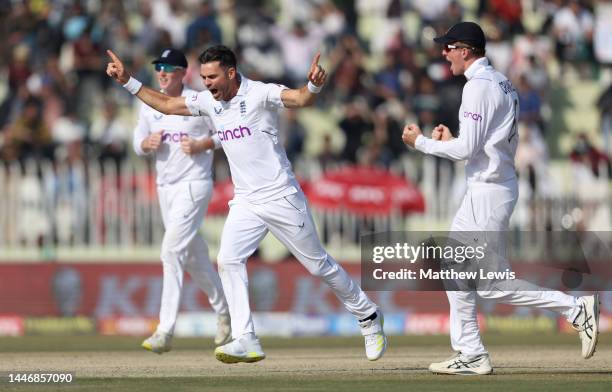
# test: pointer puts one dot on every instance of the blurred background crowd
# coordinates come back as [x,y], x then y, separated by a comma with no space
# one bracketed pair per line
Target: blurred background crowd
[57,104]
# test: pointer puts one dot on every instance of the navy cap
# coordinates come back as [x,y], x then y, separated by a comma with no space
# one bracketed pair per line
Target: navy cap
[172,57]
[468,32]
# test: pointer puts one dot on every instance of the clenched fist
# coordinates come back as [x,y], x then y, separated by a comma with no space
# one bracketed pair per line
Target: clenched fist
[442,133]
[152,142]
[410,134]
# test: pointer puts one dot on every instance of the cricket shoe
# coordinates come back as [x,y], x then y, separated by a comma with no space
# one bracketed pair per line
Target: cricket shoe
[587,324]
[463,365]
[375,338]
[224,330]
[244,349]
[158,343]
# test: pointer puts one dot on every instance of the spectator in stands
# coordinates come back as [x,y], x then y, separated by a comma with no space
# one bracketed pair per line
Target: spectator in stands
[27,136]
[573,32]
[292,133]
[530,103]
[585,153]
[355,124]
[297,45]
[204,30]
[604,103]
[111,133]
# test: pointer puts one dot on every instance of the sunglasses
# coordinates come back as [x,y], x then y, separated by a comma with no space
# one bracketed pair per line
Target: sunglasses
[449,47]
[166,67]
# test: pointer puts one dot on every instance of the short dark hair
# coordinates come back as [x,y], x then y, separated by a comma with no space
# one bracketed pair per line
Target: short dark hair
[479,51]
[220,53]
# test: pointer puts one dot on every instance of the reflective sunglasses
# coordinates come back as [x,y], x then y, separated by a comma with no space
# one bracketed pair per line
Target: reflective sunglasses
[166,67]
[449,47]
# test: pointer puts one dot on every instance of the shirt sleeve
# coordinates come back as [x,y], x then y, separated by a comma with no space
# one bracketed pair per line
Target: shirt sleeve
[141,131]
[272,97]
[197,103]
[474,117]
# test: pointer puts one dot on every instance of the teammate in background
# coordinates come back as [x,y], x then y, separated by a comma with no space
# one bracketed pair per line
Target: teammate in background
[184,188]
[488,140]
[267,195]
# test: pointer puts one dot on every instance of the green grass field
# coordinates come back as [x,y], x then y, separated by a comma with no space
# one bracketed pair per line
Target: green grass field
[521,362]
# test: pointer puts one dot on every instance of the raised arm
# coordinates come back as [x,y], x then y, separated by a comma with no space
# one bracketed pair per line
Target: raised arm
[306,95]
[158,101]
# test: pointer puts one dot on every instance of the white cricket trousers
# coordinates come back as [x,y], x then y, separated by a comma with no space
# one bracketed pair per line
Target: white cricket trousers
[288,219]
[183,206]
[487,208]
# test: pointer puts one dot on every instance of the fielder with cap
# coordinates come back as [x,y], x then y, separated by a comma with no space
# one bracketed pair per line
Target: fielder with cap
[184,189]
[487,141]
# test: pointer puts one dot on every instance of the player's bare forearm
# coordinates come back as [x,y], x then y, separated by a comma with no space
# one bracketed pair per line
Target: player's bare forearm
[298,98]
[162,102]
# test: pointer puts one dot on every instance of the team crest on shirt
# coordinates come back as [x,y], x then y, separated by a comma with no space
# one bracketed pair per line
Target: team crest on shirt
[218,110]
[242,108]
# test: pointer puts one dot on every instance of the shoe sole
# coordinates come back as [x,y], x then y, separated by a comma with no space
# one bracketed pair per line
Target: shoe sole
[461,373]
[231,359]
[596,305]
[148,347]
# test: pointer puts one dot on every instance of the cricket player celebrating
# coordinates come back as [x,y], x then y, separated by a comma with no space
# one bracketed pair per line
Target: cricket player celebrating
[184,188]
[487,140]
[267,195]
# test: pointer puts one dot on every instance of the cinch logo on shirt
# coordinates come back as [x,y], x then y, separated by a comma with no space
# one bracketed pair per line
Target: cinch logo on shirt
[174,137]
[473,116]
[236,133]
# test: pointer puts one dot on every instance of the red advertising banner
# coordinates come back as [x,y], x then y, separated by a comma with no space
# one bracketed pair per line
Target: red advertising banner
[107,290]
[104,290]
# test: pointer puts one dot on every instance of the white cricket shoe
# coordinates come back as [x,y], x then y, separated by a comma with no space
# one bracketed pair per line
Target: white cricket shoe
[463,365]
[375,338]
[244,349]
[158,343]
[224,330]
[587,324]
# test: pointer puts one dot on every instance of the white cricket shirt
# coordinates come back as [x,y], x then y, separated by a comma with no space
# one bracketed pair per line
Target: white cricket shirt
[488,134]
[247,129]
[171,163]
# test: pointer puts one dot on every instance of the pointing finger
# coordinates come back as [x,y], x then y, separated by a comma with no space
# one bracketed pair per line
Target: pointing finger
[113,56]
[315,61]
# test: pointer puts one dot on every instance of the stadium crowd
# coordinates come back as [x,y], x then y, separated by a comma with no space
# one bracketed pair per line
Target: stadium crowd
[58,104]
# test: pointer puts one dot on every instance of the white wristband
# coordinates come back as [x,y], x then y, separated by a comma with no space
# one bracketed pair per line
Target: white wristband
[133,86]
[314,89]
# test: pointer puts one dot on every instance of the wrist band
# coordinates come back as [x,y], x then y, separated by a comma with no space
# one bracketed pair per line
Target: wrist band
[133,86]
[314,89]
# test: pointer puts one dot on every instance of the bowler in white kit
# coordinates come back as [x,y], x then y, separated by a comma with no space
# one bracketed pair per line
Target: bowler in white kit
[184,189]
[487,141]
[267,196]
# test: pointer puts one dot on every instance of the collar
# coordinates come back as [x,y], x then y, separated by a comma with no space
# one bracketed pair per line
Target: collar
[475,67]
[243,85]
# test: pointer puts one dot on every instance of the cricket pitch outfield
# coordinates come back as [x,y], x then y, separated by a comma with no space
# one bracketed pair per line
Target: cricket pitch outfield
[521,363]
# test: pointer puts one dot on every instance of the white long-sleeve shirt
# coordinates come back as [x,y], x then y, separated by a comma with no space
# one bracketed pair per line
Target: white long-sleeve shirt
[247,129]
[171,163]
[488,134]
